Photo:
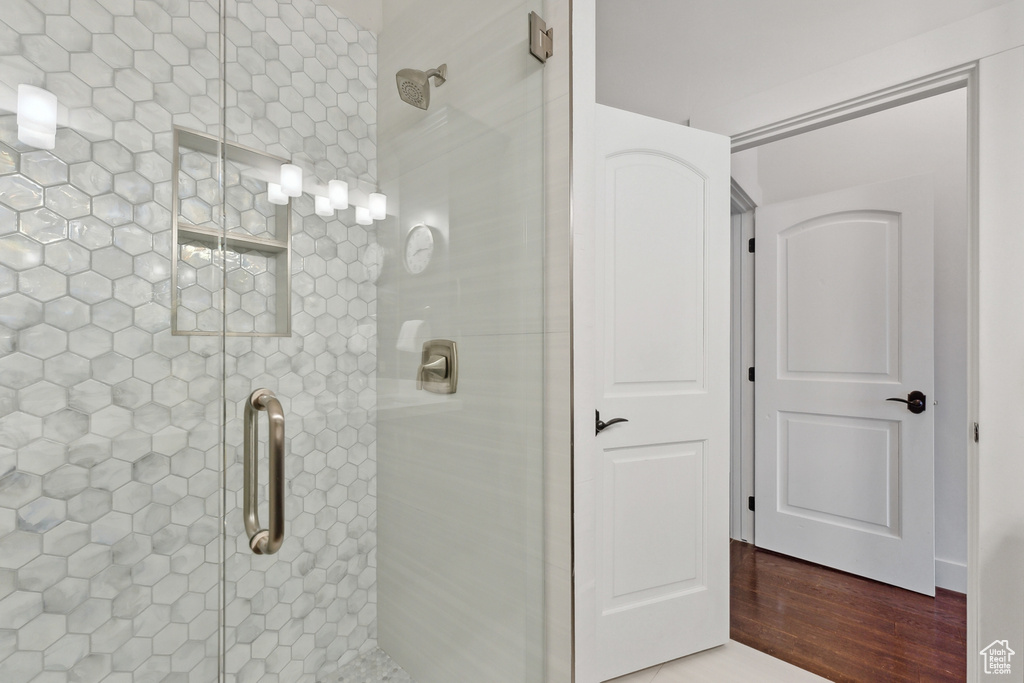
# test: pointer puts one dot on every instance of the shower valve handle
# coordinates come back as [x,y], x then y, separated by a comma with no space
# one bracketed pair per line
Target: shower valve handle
[436,369]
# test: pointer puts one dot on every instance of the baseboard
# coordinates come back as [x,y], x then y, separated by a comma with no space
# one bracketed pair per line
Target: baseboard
[951,575]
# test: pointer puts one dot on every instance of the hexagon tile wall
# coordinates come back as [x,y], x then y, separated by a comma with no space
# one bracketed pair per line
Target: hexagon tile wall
[111,429]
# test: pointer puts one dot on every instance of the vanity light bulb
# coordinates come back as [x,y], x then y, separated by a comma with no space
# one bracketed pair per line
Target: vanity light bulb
[37,117]
[322,206]
[363,216]
[275,195]
[291,180]
[378,206]
[337,190]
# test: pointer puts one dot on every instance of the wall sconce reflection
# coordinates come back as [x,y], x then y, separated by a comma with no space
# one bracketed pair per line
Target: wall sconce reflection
[322,206]
[378,206]
[275,195]
[363,216]
[337,191]
[291,180]
[37,117]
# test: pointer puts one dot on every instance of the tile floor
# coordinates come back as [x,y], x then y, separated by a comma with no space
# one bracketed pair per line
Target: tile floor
[730,662]
[374,666]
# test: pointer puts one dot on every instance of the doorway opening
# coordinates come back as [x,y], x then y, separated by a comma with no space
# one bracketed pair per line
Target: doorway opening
[926,136]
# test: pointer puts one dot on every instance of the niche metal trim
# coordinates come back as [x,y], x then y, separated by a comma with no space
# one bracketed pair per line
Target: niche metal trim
[225,239]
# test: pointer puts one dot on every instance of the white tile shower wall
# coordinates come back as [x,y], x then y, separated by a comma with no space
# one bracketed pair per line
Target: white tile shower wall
[110,428]
[461,494]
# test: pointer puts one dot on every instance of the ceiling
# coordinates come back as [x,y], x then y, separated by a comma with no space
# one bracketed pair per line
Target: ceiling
[669,58]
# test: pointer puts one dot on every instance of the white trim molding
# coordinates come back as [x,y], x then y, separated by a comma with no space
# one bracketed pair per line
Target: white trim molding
[951,575]
[911,91]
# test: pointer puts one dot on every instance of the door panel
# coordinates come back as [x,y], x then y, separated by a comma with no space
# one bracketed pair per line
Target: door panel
[661,479]
[656,341]
[862,452]
[851,300]
[844,477]
[652,550]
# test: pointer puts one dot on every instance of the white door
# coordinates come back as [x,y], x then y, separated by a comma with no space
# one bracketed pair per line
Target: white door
[662,352]
[843,298]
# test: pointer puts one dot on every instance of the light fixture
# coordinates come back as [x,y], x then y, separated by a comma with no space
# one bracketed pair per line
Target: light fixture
[291,180]
[37,117]
[337,190]
[363,216]
[275,195]
[378,206]
[322,206]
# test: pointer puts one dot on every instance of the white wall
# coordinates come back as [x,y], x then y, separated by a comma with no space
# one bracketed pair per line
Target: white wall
[927,137]
[987,33]
[996,591]
[676,59]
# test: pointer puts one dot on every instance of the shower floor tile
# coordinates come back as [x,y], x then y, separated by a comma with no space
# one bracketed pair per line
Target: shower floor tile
[373,667]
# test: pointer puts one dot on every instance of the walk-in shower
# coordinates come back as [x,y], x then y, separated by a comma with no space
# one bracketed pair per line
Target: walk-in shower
[182,251]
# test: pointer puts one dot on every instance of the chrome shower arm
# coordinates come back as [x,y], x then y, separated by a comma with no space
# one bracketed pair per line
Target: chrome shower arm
[440,74]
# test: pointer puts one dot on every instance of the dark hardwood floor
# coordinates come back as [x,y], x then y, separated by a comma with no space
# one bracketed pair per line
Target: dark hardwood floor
[844,627]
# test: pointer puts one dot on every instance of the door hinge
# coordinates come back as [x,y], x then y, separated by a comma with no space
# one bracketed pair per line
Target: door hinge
[750,245]
[750,374]
[975,432]
[542,38]
[750,503]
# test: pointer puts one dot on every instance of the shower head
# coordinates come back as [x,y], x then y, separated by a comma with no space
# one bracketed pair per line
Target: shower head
[414,85]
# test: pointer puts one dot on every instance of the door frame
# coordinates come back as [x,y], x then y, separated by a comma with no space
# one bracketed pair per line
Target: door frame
[965,76]
[741,457]
[742,519]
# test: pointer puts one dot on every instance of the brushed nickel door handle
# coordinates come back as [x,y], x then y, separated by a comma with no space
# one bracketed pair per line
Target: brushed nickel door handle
[263,541]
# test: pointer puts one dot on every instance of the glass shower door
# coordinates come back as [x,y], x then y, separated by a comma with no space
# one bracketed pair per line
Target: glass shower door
[460,505]
[460,585]
[300,91]
[153,276]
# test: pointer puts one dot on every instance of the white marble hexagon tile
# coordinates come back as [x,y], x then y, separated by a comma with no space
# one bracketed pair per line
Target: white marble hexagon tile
[110,427]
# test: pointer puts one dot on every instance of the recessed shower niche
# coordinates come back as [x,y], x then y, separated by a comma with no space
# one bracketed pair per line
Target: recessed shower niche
[235,244]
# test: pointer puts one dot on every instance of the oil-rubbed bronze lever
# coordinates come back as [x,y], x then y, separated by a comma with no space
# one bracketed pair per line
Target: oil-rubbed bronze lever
[601,425]
[915,401]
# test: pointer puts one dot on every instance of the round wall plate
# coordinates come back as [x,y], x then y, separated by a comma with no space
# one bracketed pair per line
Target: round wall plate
[419,248]
[373,261]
